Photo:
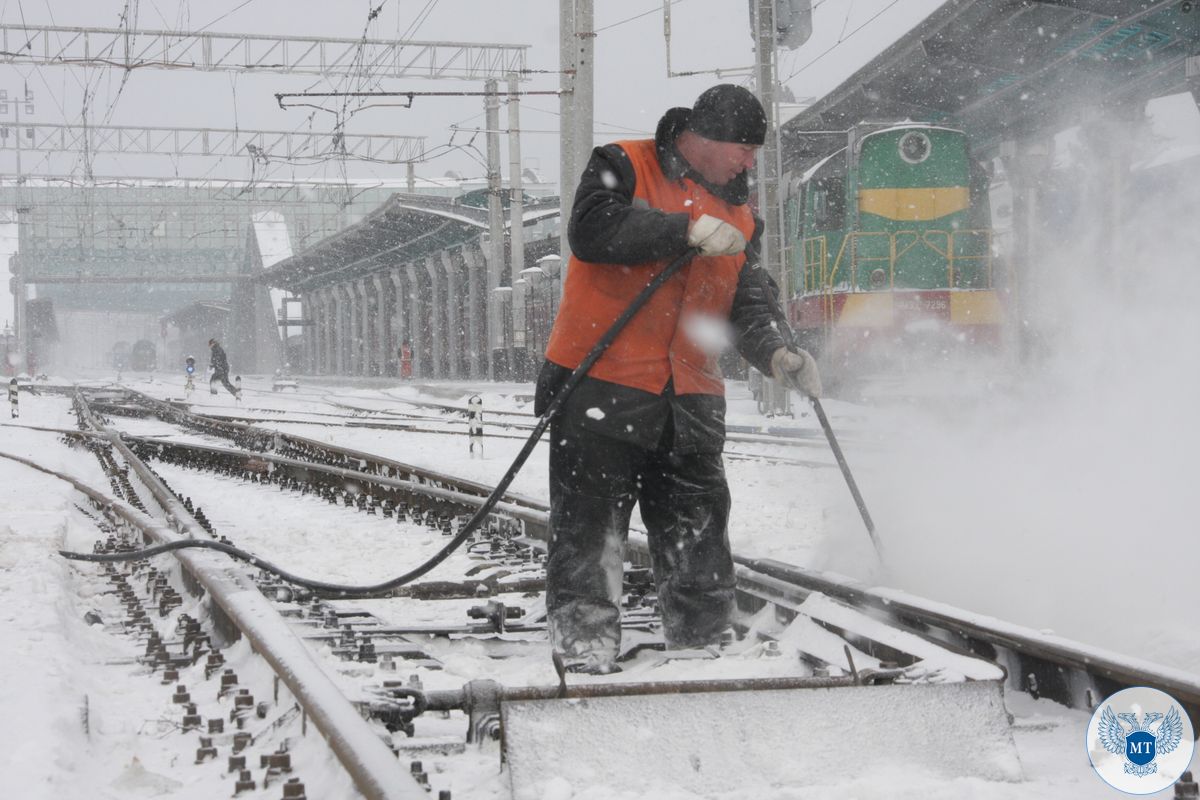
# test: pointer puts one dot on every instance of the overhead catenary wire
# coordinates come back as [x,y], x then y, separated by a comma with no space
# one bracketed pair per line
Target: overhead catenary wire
[411,94]
[654,10]
[839,42]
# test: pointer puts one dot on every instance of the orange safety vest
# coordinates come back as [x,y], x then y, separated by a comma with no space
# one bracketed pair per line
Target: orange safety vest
[676,335]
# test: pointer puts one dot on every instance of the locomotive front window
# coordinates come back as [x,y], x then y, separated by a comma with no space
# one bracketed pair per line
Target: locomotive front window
[915,147]
[829,204]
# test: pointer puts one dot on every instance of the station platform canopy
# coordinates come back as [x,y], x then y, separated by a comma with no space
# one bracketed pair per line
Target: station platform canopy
[1001,69]
[405,229]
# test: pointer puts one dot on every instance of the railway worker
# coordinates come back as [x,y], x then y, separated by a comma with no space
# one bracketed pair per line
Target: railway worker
[647,425]
[218,362]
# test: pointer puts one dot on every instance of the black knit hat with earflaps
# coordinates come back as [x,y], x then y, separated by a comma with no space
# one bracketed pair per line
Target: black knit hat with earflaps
[728,113]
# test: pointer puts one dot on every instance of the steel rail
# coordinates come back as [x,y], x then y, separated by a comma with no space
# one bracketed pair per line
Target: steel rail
[414,427]
[379,463]
[1021,646]
[302,470]
[759,434]
[376,772]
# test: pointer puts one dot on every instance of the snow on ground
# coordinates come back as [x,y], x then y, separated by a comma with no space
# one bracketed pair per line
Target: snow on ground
[79,717]
[303,533]
[797,514]
[952,493]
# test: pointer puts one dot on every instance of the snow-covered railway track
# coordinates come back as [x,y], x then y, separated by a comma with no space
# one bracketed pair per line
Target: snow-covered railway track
[1044,665]
[485,628]
[416,427]
[784,642]
[403,711]
[259,736]
[779,435]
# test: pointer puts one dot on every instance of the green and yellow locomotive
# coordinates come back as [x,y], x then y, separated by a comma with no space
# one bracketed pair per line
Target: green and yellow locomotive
[890,251]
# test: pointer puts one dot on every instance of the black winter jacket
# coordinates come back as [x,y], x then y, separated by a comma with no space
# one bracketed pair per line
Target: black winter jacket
[606,226]
[218,360]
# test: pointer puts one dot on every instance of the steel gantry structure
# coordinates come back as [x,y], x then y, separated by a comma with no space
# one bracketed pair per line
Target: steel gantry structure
[223,142]
[239,52]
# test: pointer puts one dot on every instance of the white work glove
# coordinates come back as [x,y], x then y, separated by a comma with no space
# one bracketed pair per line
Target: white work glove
[715,237]
[797,371]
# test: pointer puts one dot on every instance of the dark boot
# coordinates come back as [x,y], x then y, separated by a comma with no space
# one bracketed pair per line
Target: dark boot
[584,579]
[593,486]
[685,505]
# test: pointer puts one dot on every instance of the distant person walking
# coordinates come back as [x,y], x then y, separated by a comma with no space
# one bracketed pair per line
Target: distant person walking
[218,362]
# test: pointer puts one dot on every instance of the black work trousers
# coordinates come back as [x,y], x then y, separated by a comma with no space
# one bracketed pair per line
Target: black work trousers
[684,499]
[222,378]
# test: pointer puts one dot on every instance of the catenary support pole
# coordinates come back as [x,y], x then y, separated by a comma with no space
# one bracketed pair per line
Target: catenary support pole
[495,254]
[516,231]
[568,173]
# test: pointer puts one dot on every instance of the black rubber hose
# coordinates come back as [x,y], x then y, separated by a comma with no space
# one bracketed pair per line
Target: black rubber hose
[383,589]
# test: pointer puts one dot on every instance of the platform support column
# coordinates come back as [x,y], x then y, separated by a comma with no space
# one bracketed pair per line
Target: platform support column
[437,317]
[366,319]
[454,332]
[400,331]
[379,285]
[418,325]
[328,330]
[476,270]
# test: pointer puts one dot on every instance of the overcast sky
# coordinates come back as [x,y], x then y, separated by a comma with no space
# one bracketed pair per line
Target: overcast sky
[631,86]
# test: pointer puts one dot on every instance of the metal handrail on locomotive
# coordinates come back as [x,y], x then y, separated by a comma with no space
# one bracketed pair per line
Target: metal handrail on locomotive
[895,251]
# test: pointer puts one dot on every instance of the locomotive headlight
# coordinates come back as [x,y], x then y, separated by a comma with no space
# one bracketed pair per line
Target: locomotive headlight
[878,278]
[915,147]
